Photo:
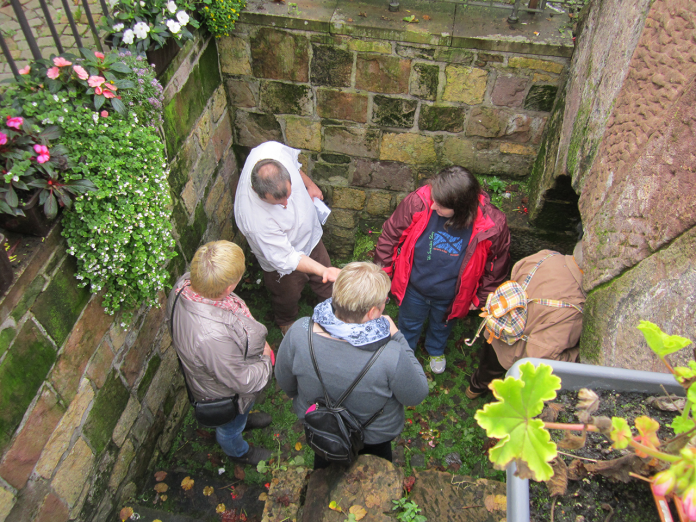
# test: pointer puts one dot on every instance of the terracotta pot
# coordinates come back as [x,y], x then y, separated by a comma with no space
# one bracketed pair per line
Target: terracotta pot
[162,57]
[33,223]
[6,272]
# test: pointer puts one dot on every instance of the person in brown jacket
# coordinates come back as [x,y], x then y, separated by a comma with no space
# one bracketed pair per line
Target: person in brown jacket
[553,333]
[222,348]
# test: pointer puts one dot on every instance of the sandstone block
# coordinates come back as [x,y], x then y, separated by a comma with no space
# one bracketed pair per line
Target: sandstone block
[343,218]
[509,91]
[73,472]
[408,148]
[543,78]
[125,457]
[106,410]
[52,510]
[516,148]
[221,139]
[253,129]
[341,105]
[125,422]
[280,55]
[411,51]
[441,118]
[303,133]
[379,204]
[393,112]
[352,140]
[214,195]
[327,171]
[536,64]
[453,55]
[154,399]
[487,122]
[117,334]
[350,198]
[7,500]
[189,197]
[483,59]
[203,130]
[99,366]
[219,104]
[465,84]
[369,46]
[384,74]
[541,98]
[286,98]
[424,81]
[331,66]
[224,211]
[143,345]
[383,175]
[485,160]
[242,93]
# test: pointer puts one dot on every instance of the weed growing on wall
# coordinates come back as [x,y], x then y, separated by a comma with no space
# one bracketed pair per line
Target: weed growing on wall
[220,15]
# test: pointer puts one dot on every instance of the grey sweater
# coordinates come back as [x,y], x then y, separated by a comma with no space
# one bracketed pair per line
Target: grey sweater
[395,380]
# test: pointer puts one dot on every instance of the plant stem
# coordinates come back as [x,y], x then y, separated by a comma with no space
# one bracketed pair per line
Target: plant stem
[653,452]
[569,427]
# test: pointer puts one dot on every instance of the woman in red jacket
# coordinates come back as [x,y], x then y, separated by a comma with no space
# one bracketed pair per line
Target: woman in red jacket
[445,248]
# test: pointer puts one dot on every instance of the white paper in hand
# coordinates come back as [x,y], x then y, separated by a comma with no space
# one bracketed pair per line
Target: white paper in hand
[322,210]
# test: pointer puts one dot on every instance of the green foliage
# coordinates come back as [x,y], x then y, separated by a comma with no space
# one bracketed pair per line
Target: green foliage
[496,185]
[221,15]
[365,243]
[511,419]
[620,432]
[661,343]
[409,510]
[146,98]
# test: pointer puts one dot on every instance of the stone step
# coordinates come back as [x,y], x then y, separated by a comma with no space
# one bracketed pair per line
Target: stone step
[148,514]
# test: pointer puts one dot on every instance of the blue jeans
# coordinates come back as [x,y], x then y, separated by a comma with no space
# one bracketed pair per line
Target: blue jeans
[229,436]
[414,310]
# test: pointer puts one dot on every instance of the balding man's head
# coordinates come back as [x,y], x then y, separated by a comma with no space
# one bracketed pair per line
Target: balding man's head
[270,180]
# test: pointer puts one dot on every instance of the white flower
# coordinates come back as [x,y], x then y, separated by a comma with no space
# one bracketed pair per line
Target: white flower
[142,4]
[128,36]
[141,29]
[258,281]
[112,3]
[171,6]
[183,17]
[174,27]
[15,178]
[118,27]
[221,471]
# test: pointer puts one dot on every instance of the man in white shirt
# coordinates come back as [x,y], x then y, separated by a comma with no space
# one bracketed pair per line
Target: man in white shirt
[274,210]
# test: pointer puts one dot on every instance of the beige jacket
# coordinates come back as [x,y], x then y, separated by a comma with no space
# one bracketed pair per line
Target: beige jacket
[553,332]
[212,345]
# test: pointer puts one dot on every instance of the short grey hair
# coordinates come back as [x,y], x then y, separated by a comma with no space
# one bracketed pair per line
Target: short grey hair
[272,181]
[358,287]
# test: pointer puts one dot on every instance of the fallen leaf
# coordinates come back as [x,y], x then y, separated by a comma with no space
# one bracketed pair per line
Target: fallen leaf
[495,502]
[333,506]
[409,19]
[239,473]
[208,490]
[572,442]
[536,33]
[558,483]
[588,401]
[358,511]
[161,487]
[372,501]
[363,14]
[263,497]
[160,476]
[387,18]
[523,470]
[576,470]
[672,403]
[426,17]
[187,483]
[619,469]
[126,513]
[164,498]
[551,411]
[220,508]
[350,19]
[298,446]
[409,482]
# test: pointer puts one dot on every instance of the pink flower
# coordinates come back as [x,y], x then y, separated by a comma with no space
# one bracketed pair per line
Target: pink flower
[3,138]
[43,154]
[95,81]
[98,90]
[104,114]
[53,73]
[663,483]
[108,94]
[689,501]
[15,123]
[81,73]
[59,61]
[25,70]
[99,55]
[111,86]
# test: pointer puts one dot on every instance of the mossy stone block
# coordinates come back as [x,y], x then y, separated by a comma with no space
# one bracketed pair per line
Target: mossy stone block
[394,112]
[21,375]
[331,66]
[106,411]
[425,80]
[327,171]
[30,294]
[6,337]
[286,98]
[280,55]
[441,118]
[191,236]
[59,306]
[335,158]
[176,266]
[152,367]
[181,113]
[385,74]
[540,98]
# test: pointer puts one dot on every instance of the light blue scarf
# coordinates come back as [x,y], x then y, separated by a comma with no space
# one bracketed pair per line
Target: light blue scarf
[356,334]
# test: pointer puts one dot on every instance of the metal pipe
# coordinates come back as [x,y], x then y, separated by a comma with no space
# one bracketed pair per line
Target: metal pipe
[52,27]
[8,55]
[514,18]
[95,33]
[71,20]
[105,9]
[36,53]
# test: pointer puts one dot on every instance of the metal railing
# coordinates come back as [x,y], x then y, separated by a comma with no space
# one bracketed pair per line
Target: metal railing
[59,40]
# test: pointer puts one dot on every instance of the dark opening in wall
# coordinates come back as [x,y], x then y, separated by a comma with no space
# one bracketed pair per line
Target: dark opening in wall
[559,211]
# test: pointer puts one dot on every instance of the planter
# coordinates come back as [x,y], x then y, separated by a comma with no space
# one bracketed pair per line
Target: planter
[6,272]
[573,377]
[162,57]
[34,222]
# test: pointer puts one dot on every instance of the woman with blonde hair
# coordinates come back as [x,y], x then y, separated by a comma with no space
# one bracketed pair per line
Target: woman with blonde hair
[347,330]
[222,348]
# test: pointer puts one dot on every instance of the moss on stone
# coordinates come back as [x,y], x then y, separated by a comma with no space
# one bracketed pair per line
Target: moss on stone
[425,84]
[30,294]
[540,98]
[176,266]
[331,66]
[286,98]
[441,118]
[152,367]
[169,403]
[21,375]
[6,337]
[394,112]
[191,236]
[106,411]
[335,158]
[326,171]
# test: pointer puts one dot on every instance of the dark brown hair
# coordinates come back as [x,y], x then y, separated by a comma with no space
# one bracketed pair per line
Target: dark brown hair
[456,188]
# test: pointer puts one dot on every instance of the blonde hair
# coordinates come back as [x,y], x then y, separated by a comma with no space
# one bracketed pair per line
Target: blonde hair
[215,266]
[359,287]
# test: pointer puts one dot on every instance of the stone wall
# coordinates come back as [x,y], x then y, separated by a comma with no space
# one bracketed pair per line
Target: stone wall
[624,133]
[87,401]
[376,115]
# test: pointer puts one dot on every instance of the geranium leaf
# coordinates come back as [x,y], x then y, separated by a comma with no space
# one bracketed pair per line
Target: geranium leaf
[620,433]
[647,429]
[511,419]
[659,342]
[682,425]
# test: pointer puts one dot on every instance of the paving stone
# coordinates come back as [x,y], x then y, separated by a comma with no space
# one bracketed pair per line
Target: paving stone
[424,81]
[234,56]
[465,84]
[253,129]
[408,148]
[280,55]
[108,406]
[441,118]
[125,422]
[536,64]
[123,461]
[383,175]
[73,472]
[60,439]
[242,93]
[53,509]
[24,453]
[509,91]
[303,133]
[341,105]
[349,198]
[144,343]
[352,140]
[331,66]
[286,98]
[393,112]
[383,74]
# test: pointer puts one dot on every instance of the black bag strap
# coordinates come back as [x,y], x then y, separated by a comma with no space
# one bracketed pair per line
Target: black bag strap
[350,389]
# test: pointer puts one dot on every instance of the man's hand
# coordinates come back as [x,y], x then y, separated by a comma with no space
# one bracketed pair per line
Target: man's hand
[330,274]
[392,327]
[312,189]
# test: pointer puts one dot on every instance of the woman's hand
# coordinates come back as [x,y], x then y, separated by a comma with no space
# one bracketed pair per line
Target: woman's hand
[392,327]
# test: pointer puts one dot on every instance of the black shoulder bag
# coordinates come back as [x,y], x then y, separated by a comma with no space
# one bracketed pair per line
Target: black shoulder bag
[331,430]
[212,412]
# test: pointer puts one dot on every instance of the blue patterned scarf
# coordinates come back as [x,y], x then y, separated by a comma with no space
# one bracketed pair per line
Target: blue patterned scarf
[356,334]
